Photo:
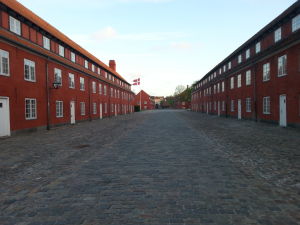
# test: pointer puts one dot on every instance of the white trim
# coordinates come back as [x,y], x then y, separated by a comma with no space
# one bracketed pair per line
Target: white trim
[8,128]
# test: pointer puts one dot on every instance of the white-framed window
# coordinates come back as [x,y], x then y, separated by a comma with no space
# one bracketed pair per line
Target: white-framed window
[94,108]
[248,104]
[145,102]
[266,72]
[232,106]
[240,58]
[73,57]
[94,88]
[104,90]
[223,105]
[215,105]
[86,64]
[231,82]
[4,63]
[257,47]
[71,80]
[266,105]
[248,53]
[229,65]
[224,68]
[82,86]
[248,77]
[218,88]
[215,89]
[57,76]
[61,50]
[46,43]
[93,67]
[98,71]
[277,34]
[59,109]
[223,86]
[82,108]
[29,70]
[296,23]
[105,74]
[220,71]
[239,80]
[14,25]
[105,107]
[30,109]
[282,66]
[100,89]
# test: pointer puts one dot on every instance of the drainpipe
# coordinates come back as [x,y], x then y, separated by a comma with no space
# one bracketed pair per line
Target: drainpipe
[47,95]
[254,93]
[89,83]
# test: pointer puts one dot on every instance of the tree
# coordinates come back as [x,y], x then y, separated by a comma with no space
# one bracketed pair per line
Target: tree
[179,89]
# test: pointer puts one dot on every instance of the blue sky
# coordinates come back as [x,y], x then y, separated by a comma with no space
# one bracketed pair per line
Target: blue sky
[164,42]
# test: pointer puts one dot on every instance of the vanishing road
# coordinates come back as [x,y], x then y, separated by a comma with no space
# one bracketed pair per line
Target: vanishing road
[157,167]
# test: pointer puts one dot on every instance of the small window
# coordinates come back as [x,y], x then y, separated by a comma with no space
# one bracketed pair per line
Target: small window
[248,104]
[93,67]
[30,109]
[57,76]
[231,82]
[4,63]
[29,70]
[104,90]
[98,71]
[232,106]
[266,72]
[82,87]
[239,80]
[277,35]
[145,102]
[14,25]
[94,88]
[239,58]
[282,66]
[82,108]
[229,65]
[257,47]
[73,57]
[218,88]
[61,50]
[296,23]
[46,43]
[59,109]
[248,77]
[223,105]
[71,81]
[94,108]
[100,89]
[247,53]
[223,86]
[86,64]
[266,105]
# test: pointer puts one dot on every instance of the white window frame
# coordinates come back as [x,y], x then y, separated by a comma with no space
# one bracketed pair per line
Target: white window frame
[104,90]
[46,43]
[82,108]
[240,59]
[296,23]
[266,105]
[232,105]
[73,57]
[223,86]
[257,47]
[100,89]
[248,77]
[86,64]
[57,76]
[14,25]
[239,80]
[94,108]
[232,83]
[31,114]
[229,65]
[248,104]
[82,85]
[266,72]
[248,53]
[277,35]
[94,88]
[223,105]
[282,66]
[71,80]
[98,71]
[59,109]
[29,70]
[93,67]
[61,50]
[4,63]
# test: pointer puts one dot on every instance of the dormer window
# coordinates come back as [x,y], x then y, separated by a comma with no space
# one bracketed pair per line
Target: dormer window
[61,51]
[73,58]
[277,35]
[46,43]
[14,25]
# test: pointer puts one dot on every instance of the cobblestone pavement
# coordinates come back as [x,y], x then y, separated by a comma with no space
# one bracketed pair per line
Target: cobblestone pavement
[158,167]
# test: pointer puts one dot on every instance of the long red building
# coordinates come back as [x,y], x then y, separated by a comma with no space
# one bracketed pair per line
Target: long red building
[46,79]
[261,79]
[143,100]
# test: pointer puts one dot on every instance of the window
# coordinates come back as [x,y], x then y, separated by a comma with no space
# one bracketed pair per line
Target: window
[223,105]
[282,66]
[82,87]
[73,58]
[61,50]
[224,68]
[104,90]
[229,65]
[86,64]
[232,106]
[4,63]
[14,25]
[215,105]
[145,102]
[93,67]
[111,92]
[257,47]
[46,43]
[105,108]
[296,23]
[239,58]
[59,109]
[98,71]
[94,87]
[277,35]
[248,77]
[112,107]
[247,53]
[100,89]
[94,108]
[266,72]
[223,86]
[220,70]
[266,105]
[215,88]
[29,70]
[57,76]
[30,109]
[231,82]
[82,108]
[218,88]
[239,80]
[71,80]
[105,74]
[248,104]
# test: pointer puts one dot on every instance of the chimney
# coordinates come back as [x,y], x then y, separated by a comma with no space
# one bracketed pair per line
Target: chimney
[112,65]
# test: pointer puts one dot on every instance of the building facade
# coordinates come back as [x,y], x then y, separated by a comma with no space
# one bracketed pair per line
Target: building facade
[143,100]
[48,80]
[261,79]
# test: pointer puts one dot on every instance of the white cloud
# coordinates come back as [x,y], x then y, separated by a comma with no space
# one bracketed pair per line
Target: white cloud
[106,33]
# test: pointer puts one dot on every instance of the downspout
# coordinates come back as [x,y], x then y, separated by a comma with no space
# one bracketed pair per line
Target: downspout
[47,95]
[254,93]
[89,83]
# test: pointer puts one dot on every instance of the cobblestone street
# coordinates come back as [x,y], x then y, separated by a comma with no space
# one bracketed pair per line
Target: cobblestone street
[156,167]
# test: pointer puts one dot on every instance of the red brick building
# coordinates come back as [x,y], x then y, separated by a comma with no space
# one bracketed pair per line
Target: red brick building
[142,98]
[48,80]
[261,79]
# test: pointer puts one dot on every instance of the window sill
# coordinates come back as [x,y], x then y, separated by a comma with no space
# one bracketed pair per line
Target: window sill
[6,75]
[266,80]
[267,113]
[32,81]
[31,118]
[282,75]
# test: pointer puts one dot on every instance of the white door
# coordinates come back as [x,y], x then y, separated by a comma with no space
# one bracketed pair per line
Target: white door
[72,112]
[282,113]
[239,109]
[219,109]
[4,117]
[101,116]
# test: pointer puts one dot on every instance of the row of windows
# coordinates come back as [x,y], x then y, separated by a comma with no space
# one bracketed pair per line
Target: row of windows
[277,37]
[15,27]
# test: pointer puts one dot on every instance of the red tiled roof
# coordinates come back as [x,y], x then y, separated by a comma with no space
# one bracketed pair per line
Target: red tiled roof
[28,14]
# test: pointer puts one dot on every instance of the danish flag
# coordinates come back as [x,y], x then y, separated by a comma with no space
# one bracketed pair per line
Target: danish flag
[136,82]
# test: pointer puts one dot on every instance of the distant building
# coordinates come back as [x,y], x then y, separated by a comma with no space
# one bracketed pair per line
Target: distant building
[157,100]
[143,100]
